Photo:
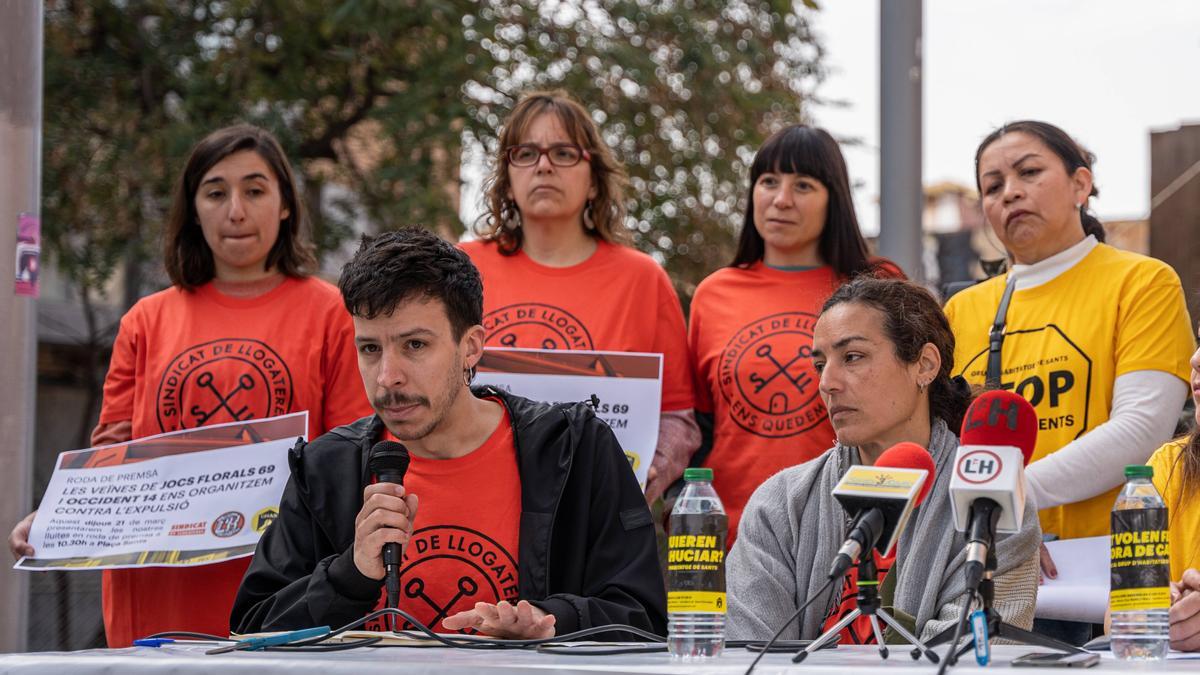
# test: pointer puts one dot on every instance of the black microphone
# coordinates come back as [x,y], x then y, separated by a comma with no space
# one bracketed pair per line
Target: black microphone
[388,462]
[882,497]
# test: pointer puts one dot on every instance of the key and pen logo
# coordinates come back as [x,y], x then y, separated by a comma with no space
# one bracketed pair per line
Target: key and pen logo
[766,376]
[230,380]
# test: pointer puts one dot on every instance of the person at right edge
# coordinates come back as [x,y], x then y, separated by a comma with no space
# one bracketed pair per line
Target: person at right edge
[1095,338]
[1177,478]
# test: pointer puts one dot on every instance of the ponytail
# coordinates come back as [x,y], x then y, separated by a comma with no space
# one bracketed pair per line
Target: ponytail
[1091,224]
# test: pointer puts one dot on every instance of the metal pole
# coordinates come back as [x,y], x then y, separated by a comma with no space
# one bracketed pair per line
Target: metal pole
[20,183]
[901,198]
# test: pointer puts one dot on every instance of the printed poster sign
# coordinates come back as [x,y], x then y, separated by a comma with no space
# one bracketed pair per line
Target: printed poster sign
[29,252]
[189,497]
[626,389]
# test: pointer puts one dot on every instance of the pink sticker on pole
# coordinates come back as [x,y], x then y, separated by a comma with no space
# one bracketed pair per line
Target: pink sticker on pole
[29,253]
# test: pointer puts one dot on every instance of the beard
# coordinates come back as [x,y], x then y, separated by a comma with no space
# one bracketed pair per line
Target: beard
[439,406]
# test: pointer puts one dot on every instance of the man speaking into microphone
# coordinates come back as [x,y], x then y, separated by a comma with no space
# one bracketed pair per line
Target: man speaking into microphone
[884,352]
[516,519]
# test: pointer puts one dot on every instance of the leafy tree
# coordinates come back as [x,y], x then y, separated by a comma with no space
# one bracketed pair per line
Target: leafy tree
[375,101]
[685,91]
[378,96]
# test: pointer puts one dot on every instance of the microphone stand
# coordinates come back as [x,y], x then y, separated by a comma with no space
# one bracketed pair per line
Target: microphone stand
[996,626]
[868,605]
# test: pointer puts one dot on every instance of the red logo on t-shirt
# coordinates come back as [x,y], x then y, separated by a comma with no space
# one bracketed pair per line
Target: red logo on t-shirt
[446,570]
[766,376]
[531,325]
[229,380]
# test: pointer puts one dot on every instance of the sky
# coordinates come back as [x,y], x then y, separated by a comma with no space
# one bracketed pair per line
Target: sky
[1107,71]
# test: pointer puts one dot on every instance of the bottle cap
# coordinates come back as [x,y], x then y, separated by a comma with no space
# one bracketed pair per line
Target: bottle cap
[1139,471]
[697,474]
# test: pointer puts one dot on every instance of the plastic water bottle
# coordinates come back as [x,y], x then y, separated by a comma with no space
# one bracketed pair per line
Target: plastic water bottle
[696,570]
[1140,568]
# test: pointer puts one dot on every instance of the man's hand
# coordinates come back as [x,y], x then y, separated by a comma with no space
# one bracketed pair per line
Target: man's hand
[1047,566]
[386,517]
[523,622]
[18,541]
[1185,612]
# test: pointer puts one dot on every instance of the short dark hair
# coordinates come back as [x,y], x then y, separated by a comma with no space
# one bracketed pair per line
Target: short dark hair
[392,267]
[810,151]
[912,318]
[186,255]
[1072,154]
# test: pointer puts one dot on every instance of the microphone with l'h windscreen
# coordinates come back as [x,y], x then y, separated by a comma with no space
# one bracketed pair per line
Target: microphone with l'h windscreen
[388,462]
[881,498]
[988,487]
[987,493]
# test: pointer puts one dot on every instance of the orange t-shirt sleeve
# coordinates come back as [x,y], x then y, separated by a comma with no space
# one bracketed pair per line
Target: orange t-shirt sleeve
[117,405]
[670,338]
[345,397]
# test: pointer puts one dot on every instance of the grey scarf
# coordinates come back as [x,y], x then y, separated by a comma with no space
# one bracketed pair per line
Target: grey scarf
[792,528]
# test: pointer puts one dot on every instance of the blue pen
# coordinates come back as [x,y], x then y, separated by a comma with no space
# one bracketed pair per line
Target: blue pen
[250,644]
[152,642]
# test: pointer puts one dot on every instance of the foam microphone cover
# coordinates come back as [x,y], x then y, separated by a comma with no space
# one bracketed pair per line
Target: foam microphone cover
[388,462]
[909,456]
[1001,417]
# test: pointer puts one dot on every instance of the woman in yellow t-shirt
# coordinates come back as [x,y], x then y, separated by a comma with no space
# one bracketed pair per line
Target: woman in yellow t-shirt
[1095,338]
[1177,477]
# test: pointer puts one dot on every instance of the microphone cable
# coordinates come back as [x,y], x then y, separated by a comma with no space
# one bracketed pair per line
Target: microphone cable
[548,645]
[951,657]
[795,615]
[300,645]
[464,642]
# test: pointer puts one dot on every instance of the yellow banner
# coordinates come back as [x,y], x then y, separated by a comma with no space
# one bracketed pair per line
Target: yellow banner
[696,601]
[1137,599]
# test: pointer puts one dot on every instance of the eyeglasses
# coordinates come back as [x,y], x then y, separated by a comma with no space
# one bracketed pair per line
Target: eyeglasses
[560,154]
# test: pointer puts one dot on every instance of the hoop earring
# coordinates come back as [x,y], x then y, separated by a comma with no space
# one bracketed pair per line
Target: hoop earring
[587,216]
[468,376]
[511,216]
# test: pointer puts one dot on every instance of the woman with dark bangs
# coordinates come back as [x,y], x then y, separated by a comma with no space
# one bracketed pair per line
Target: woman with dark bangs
[751,322]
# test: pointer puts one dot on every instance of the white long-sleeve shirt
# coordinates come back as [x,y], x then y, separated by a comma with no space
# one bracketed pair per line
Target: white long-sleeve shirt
[1146,406]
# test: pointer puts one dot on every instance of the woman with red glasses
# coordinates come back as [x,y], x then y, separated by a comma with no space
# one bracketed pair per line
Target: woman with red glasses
[557,273]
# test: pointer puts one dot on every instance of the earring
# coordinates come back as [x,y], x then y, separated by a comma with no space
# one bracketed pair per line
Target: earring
[468,375]
[511,216]
[922,386]
[587,216]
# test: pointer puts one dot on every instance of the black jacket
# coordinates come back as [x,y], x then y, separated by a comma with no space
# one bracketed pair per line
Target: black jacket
[586,552]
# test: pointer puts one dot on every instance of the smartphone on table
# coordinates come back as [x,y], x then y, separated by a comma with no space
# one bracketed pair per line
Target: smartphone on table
[1056,660]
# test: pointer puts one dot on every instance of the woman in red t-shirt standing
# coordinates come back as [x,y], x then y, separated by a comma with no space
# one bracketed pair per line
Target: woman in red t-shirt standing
[751,322]
[248,334]
[556,273]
